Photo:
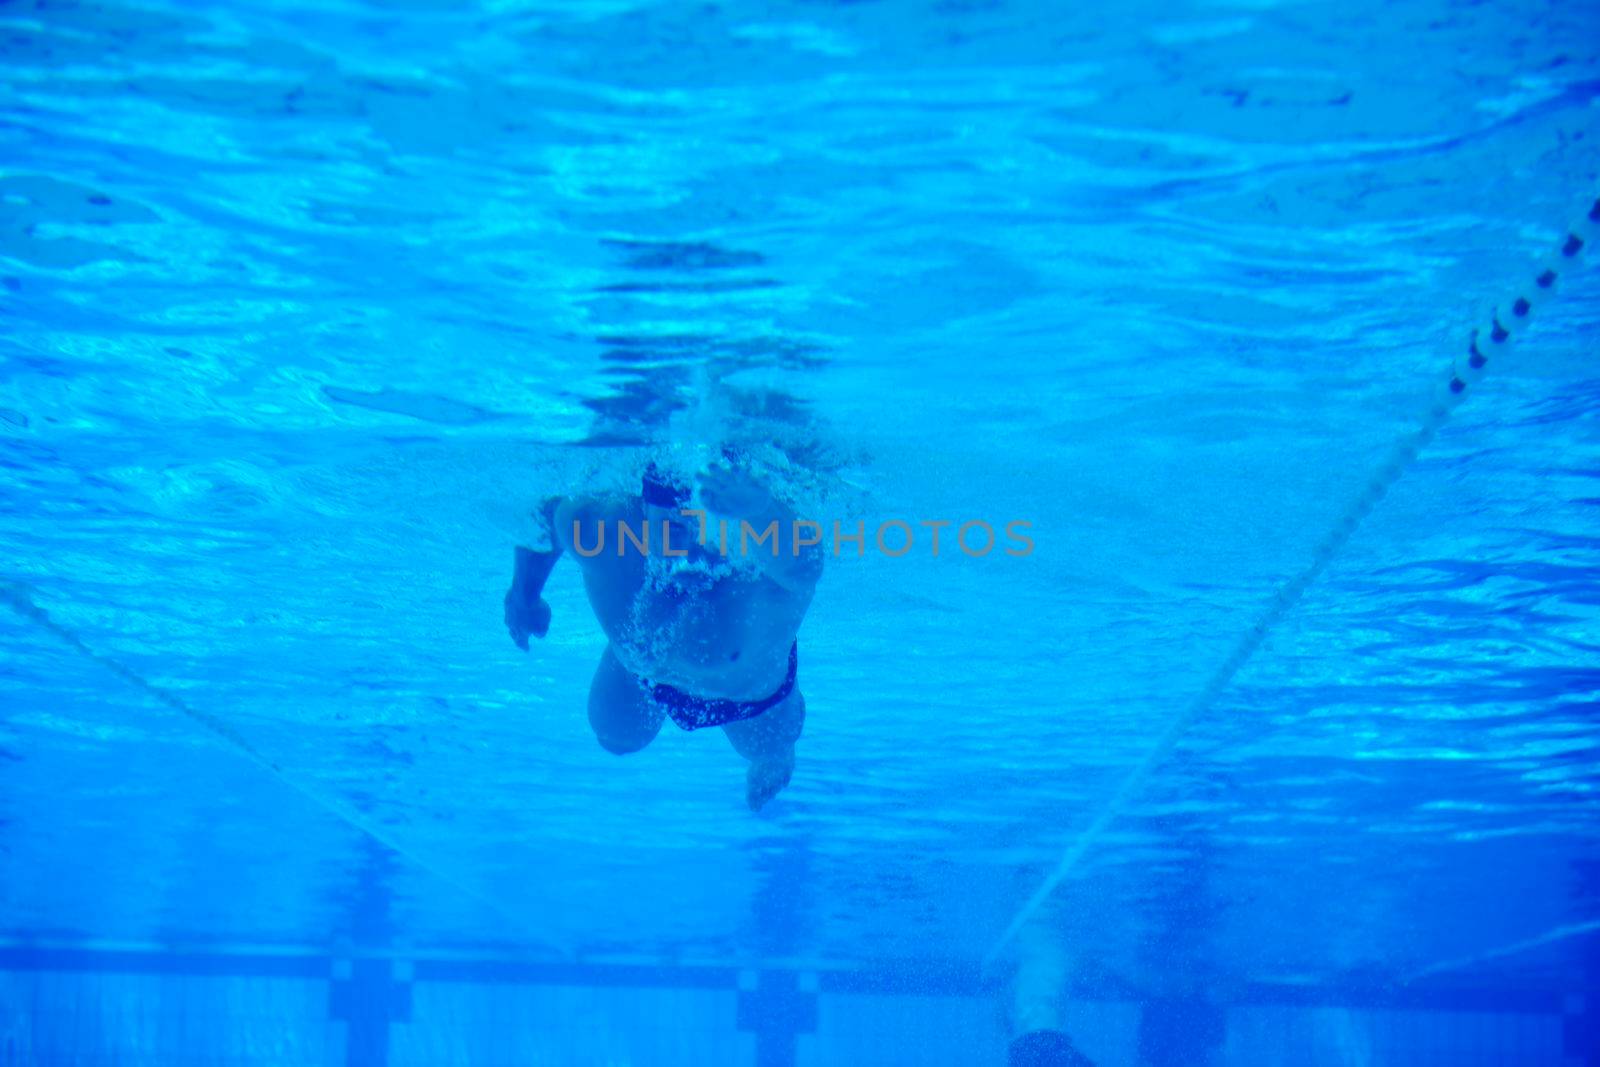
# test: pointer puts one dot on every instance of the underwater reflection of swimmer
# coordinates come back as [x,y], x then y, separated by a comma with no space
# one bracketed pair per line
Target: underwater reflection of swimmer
[701,632]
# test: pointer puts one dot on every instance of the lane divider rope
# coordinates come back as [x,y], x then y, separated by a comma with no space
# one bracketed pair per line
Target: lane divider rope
[1485,344]
[1549,937]
[17,599]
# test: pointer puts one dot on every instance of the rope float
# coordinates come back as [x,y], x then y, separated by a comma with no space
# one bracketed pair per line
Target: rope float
[17,599]
[1484,345]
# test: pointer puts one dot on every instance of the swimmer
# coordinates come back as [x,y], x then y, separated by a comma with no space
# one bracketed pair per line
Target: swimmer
[696,633]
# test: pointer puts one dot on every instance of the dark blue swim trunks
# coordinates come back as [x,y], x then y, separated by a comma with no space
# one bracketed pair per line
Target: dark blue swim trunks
[692,713]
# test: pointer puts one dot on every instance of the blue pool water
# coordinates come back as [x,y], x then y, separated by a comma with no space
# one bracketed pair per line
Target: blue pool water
[306,305]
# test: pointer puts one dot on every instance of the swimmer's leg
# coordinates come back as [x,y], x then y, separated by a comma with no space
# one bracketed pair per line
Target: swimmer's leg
[767,741]
[622,714]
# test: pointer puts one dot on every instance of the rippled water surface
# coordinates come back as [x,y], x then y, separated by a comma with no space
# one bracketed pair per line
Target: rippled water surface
[305,306]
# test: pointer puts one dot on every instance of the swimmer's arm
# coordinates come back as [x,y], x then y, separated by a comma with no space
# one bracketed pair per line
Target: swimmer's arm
[526,613]
[793,562]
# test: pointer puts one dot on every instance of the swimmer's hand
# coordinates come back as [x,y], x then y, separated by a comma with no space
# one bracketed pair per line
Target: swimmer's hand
[791,562]
[524,619]
[526,612]
[736,495]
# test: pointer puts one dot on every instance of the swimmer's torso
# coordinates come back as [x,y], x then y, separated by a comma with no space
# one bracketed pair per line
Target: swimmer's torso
[702,624]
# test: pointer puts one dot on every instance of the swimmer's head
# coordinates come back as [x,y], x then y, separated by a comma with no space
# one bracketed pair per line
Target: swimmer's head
[660,489]
[665,497]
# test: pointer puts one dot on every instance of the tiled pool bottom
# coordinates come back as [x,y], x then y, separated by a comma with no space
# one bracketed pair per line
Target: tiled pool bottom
[134,1005]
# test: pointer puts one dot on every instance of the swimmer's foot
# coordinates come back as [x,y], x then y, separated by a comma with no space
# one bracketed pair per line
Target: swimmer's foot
[766,779]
